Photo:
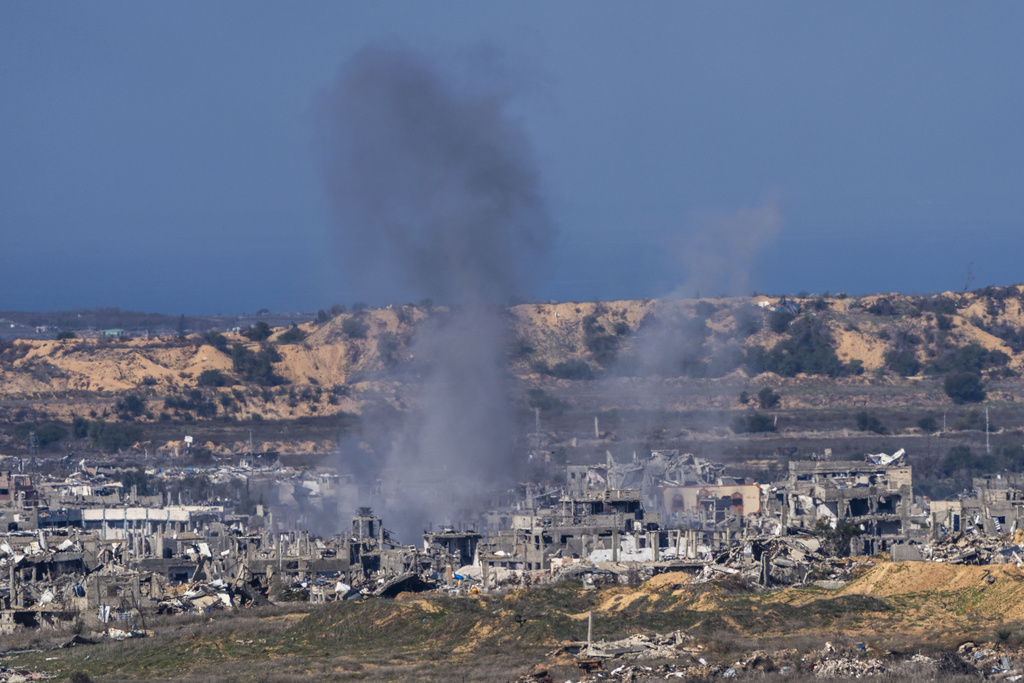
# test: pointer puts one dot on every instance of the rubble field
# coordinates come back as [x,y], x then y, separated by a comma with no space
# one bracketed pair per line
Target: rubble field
[672,626]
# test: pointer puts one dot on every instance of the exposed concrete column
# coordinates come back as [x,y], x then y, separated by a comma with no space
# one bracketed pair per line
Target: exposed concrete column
[615,546]
[15,595]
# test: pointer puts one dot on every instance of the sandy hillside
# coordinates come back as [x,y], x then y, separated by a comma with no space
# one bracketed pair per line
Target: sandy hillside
[357,357]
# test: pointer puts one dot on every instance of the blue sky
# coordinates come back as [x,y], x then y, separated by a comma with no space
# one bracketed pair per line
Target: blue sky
[164,156]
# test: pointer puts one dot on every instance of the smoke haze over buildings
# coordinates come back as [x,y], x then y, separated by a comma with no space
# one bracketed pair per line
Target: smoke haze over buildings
[434,184]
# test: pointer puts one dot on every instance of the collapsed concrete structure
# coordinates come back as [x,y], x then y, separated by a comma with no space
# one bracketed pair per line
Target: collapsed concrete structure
[877,499]
[88,547]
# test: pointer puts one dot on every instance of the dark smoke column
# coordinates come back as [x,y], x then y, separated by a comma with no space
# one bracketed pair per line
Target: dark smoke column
[435,185]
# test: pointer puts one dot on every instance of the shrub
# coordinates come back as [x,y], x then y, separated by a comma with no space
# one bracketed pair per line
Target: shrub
[779,322]
[66,334]
[964,387]
[753,423]
[259,332]
[944,322]
[767,398]
[928,424]
[882,307]
[748,321]
[903,362]
[573,369]
[51,432]
[869,423]
[257,367]
[293,335]
[353,328]
[112,437]
[217,340]
[212,378]
[602,345]
[388,345]
[807,350]
[538,398]
[79,427]
[970,358]
[131,406]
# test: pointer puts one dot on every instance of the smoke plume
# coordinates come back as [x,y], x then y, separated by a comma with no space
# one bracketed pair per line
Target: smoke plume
[434,185]
[724,247]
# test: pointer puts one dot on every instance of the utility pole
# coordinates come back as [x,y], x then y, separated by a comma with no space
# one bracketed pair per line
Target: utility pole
[988,448]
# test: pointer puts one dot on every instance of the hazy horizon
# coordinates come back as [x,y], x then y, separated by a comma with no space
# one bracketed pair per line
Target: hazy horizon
[168,158]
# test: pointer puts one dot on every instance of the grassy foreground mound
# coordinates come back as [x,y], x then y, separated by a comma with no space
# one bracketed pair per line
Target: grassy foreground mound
[893,608]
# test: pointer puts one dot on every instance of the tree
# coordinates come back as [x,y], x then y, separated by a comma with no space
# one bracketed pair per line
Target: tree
[869,423]
[903,362]
[258,332]
[131,406]
[256,367]
[216,340]
[809,349]
[767,398]
[212,378]
[353,328]
[573,369]
[964,387]
[752,423]
[293,335]
[66,334]
[779,322]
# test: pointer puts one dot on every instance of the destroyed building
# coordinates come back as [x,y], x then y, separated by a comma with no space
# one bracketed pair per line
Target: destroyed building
[994,506]
[875,498]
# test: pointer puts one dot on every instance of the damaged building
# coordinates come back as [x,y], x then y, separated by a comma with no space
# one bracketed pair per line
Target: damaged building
[876,498]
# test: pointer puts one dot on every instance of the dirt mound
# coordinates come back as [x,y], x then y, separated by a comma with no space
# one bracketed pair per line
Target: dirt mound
[667,580]
[990,590]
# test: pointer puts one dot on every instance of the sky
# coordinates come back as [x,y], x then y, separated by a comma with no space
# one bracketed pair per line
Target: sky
[168,157]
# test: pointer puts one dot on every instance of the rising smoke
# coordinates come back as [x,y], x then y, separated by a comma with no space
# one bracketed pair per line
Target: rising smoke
[434,185]
[676,340]
[723,248]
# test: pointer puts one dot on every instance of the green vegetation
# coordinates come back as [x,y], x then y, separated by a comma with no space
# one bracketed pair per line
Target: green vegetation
[388,346]
[779,322]
[131,407]
[545,402]
[573,369]
[354,328]
[216,340]
[808,349]
[767,398]
[602,345]
[964,387]
[111,437]
[261,331]
[212,378]
[903,362]
[753,423]
[869,423]
[293,335]
[836,541]
[46,433]
[256,367]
